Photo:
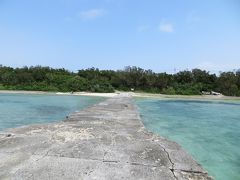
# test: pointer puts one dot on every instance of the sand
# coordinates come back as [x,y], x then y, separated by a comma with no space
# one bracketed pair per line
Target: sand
[60,93]
[134,94]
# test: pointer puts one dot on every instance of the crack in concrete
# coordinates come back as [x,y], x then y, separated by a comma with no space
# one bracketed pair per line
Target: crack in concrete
[181,170]
[43,156]
[110,161]
[140,164]
[190,171]
[101,160]
[122,162]
[170,160]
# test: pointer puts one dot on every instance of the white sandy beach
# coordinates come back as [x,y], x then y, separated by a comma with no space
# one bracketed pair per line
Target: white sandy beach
[134,94]
[61,93]
[197,97]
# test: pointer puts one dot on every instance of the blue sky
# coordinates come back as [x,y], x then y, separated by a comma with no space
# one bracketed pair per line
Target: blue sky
[162,35]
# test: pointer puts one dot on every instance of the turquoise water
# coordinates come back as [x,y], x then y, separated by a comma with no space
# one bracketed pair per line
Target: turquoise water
[24,109]
[208,130]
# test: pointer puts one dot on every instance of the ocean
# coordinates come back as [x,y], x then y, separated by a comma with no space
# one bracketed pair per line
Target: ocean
[208,130]
[25,109]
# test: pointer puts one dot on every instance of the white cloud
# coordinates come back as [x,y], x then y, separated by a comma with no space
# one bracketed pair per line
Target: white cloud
[166,27]
[143,28]
[91,14]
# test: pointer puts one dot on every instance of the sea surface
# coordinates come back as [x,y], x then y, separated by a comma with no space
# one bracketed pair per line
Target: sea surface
[208,130]
[24,109]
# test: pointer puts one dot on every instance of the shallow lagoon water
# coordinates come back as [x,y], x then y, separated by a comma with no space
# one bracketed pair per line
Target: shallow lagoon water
[209,130]
[24,109]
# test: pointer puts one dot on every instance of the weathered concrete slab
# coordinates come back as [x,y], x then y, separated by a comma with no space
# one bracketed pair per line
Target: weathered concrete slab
[105,141]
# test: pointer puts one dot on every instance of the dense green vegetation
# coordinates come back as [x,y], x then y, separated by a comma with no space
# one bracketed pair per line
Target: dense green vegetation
[95,80]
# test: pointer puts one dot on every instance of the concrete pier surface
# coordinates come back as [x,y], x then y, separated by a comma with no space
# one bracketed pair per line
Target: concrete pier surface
[104,141]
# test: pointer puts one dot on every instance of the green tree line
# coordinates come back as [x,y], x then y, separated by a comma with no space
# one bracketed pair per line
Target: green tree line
[94,80]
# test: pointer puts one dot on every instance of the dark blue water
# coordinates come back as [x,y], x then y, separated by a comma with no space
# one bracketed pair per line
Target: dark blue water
[24,109]
[208,130]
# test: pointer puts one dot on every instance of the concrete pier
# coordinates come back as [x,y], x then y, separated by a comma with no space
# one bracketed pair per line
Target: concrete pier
[104,141]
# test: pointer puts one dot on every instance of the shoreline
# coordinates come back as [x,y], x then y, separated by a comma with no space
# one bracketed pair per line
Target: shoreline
[59,93]
[188,97]
[133,94]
